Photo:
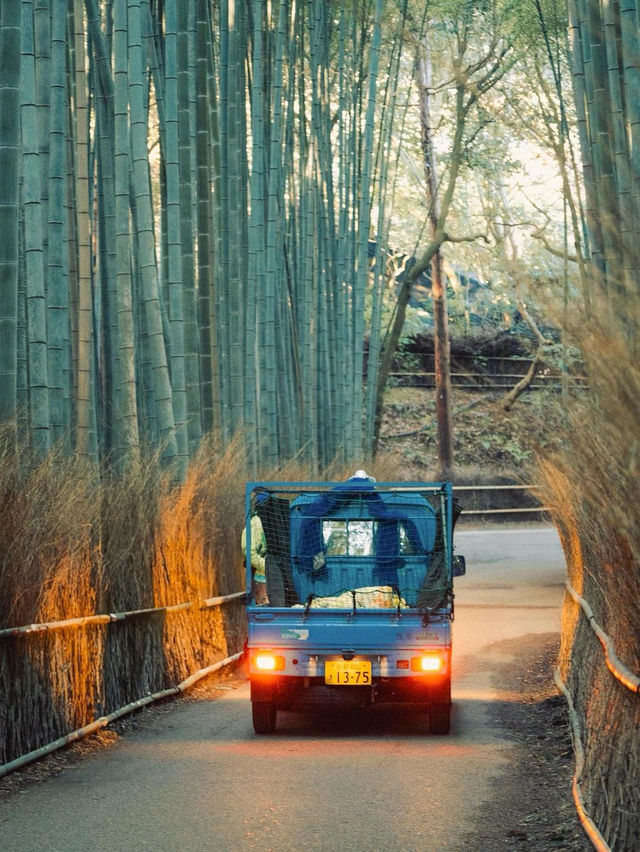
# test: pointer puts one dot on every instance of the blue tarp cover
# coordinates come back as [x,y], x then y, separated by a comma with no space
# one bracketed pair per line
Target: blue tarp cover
[359,499]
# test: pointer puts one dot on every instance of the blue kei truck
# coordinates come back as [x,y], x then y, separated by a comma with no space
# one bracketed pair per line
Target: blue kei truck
[350,597]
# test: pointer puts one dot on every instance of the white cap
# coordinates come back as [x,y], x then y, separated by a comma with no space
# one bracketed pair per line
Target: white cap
[362,474]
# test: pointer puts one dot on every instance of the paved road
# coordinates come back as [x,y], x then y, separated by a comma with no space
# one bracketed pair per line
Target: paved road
[195,777]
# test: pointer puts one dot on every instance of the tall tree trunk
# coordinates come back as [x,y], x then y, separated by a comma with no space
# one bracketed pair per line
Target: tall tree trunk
[203,163]
[185,158]
[174,233]
[366,191]
[58,326]
[267,305]
[438,290]
[105,307]
[256,258]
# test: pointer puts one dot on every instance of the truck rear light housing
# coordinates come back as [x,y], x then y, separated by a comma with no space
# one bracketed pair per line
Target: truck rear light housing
[265,661]
[430,662]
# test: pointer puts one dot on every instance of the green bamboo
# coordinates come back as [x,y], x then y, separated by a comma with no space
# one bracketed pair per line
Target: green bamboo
[267,305]
[203,213]
[328,390]
[215,224]
[163,403]
[597,96]
[630,60]
[105,305]
[384,159]
[625,226]
[58,326]
[22,432]
[223,273]
[125,422]
[305,254]
[580,98]
[83,368]
[173,227]
[10,15]
[362,269]
[192,378]
[42,39]
[236,180]
[33,255]
[256,245]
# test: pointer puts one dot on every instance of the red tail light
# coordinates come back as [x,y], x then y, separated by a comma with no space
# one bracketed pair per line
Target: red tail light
[266,662]
[430,662]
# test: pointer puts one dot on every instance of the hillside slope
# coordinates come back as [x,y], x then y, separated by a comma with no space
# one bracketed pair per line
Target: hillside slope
[487,440]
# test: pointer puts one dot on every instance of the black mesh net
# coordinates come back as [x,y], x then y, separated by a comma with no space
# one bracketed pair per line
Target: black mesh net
[353,545]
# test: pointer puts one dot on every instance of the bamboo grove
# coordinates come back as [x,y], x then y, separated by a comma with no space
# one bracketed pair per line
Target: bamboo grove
[595,485]
[606,79]
[187,204]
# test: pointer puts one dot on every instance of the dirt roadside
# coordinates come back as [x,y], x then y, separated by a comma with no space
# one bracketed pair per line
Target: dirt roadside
[533,807]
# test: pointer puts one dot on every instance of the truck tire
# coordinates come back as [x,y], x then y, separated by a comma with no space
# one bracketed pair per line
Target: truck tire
[264,716]
[440,717]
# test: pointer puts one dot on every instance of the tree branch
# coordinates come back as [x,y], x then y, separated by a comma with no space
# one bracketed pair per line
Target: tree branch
[563,255]
[471,238]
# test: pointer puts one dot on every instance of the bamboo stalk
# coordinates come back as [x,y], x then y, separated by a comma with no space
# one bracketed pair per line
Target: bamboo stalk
[85,305]
[191,353]
[58,327]
[145,239]
[125,424]
[33,252]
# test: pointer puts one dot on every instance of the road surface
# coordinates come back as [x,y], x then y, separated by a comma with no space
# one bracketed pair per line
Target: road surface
[195,777]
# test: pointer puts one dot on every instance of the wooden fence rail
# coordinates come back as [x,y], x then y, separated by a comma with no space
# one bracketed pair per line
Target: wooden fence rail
[108,618]
[35,726]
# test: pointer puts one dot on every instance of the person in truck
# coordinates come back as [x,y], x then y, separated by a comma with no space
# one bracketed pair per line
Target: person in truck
[258,554]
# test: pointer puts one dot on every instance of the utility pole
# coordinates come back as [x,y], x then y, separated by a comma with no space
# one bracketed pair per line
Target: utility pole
[438,291]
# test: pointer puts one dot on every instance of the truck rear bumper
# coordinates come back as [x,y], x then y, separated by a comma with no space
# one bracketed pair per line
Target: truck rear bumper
[291,693]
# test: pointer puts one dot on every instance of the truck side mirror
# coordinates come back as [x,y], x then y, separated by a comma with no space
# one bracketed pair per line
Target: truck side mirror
[459,566]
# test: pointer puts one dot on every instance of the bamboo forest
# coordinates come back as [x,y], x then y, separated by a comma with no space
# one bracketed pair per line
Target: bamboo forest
[290,239]
[193,223]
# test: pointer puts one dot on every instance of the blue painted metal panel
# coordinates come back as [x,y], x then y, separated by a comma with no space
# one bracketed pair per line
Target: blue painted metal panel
[306,641]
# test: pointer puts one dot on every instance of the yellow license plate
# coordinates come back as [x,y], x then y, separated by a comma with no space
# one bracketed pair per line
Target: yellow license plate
[347,672]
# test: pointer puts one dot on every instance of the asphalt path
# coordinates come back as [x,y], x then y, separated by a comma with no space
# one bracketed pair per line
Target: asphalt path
[196,777]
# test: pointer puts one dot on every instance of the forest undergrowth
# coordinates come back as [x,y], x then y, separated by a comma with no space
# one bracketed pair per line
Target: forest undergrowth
[488,441]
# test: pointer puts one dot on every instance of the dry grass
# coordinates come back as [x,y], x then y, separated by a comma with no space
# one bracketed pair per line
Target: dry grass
[591,485]
[48,512]
[74,542]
